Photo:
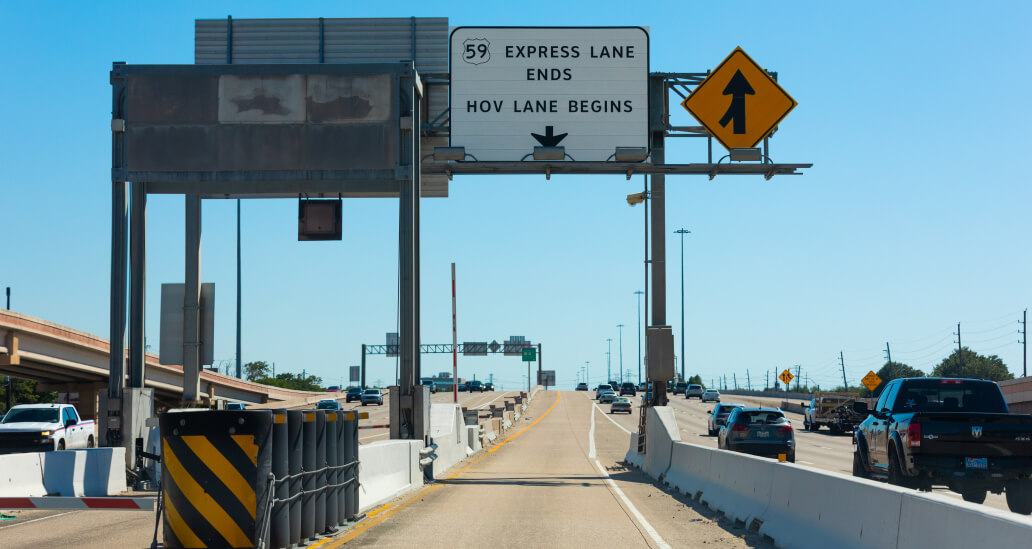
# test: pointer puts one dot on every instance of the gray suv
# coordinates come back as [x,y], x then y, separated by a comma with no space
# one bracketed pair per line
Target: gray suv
[694,391]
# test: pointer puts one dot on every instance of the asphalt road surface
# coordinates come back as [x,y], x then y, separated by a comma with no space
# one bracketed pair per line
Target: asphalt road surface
[558,481]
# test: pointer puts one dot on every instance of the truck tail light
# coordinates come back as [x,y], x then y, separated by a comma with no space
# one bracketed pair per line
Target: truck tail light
[914,435]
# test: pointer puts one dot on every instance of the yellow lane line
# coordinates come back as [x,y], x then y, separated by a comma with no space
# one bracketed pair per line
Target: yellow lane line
[383,514]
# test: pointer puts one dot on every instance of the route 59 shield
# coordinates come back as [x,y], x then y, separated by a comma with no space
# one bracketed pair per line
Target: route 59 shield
[476,51]
[739,103]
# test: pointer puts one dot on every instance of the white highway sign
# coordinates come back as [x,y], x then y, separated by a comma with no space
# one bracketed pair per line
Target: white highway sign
[582,88]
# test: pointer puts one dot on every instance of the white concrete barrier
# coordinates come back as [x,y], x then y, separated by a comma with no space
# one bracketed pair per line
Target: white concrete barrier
[387,469]
[473,439]
[802,507]
[105,472]
[448,431]
[661,433]
[63,473]
[21,475]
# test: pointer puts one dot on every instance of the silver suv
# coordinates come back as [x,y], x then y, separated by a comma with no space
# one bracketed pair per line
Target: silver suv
[694,391]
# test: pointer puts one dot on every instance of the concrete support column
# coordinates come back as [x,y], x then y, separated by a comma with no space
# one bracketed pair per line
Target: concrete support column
[192,303]
[137,284]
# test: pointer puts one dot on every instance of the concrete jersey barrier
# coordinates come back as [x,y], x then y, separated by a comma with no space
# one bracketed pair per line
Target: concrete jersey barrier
[802,507]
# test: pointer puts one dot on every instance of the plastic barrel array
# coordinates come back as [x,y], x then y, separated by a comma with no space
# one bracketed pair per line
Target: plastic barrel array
[257,478]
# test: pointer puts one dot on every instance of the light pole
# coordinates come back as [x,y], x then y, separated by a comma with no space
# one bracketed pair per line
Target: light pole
[587,373]
[620,327]
[609,362]
[682,232]
[639,293]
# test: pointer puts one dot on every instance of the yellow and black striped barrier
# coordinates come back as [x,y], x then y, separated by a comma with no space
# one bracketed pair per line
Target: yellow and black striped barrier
[269,479]
[216,466]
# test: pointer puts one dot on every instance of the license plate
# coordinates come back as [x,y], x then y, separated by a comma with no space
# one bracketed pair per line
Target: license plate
[763,434]
[976,463]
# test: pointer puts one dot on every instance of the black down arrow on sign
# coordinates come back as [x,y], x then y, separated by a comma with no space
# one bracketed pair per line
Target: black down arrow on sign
[549,139]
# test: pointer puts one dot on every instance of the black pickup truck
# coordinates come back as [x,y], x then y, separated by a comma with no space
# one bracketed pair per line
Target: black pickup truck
[953,432]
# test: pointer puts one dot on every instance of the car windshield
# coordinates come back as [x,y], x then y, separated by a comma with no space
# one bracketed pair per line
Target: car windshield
[355,390]
[33,415]
[372,391]
[761,418]
[604,387]
[948,395]
[725,408]
[326,405]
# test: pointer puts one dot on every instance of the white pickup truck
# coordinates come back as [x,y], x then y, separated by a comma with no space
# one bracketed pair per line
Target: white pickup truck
[45,427]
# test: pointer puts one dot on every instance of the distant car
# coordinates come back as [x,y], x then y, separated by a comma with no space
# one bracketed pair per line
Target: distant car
[758,431]
[489,386]
[628,389]
[463,387]
[582,387]
[601,389]
[615,385]
[694,391]
[607,396]
[710,395]
[476,385]
[642,386]
[372,396]
[328,404]
[333,389]
[354,393]
[620,404]
[429,383]
[680,388]
[718,416]
[236,406]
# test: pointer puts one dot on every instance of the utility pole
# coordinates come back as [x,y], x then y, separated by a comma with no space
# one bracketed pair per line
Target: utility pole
[888,352]
[587,373]
[1024,343]
[734,377]
[609,373]
[454,339]
[682,232]
[766,379]
[842,363]
[960,355]
[620,327]
[239,293]
[798,373]
[640,293]
[748,380]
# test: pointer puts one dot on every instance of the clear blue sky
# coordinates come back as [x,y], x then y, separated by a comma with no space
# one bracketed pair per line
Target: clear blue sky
[914,217]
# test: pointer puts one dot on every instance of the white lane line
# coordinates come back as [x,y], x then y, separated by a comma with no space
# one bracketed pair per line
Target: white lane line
[634,510]
[37,520]
[804,462]
[610,419]
[484,406]
[591,436]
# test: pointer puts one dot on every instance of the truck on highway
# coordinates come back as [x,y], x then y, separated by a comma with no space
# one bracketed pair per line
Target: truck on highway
[831,410]
[945,431]
[45,427]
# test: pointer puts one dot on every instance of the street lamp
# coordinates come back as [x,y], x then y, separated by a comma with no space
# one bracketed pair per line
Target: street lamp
[682,232]
[609,354]
[620,326]
[639,293]
[587,373]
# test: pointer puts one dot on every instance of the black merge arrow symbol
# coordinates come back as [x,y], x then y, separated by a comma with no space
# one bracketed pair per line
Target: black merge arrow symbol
[549,139]
[737,88]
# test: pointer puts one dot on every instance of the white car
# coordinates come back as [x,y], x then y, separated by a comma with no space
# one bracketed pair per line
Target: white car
[607,396]
[43,427]
[710,395]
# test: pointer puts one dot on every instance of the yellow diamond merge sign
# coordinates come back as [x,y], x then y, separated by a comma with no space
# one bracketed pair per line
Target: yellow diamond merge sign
[739,103]
[871,381]
[786,376]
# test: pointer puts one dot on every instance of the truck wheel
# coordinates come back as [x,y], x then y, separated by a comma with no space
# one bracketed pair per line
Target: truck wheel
[895,471]
[973,493]
[90,443]
[60,445]
[1019,496]
[858,466]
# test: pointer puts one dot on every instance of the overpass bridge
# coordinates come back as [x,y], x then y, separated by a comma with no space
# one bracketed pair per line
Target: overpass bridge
[66,360]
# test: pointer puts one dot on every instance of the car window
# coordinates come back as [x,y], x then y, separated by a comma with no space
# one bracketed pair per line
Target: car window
[33,415]
[884,396]
[372,391]
[761,418]
[936,395]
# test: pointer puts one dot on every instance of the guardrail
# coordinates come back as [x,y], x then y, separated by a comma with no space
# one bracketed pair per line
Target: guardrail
[802,507]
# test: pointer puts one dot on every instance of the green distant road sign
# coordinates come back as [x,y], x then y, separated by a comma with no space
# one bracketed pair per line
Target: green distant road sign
[529,354]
